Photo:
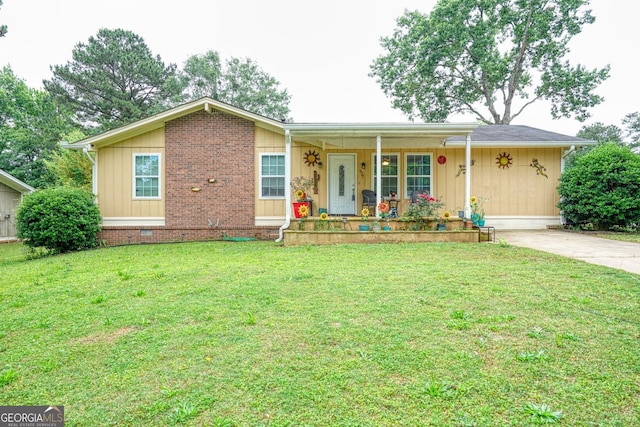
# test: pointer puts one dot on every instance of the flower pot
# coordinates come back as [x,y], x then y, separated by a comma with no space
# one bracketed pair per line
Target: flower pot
[441,227]
[387,228]
[363,227]
[481,222]
[376,228]
[468,223]
[296,208]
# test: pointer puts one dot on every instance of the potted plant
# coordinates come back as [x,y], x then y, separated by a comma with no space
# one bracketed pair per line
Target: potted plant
[365,219]
[383,210]
[477,211]
[300,185]
[424,209]
[442,222]
[481,217]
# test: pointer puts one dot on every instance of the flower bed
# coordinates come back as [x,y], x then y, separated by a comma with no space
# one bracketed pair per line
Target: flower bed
[338,230]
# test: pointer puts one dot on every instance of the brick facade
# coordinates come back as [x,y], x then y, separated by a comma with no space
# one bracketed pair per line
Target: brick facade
[198,147]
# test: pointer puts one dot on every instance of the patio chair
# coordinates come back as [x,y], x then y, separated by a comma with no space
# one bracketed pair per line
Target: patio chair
[369,201]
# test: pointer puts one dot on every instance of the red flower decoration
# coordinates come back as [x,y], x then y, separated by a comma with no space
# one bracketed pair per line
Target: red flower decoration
[383,207]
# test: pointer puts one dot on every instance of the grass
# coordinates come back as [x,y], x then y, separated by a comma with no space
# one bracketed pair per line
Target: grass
[256,334]
[625,237]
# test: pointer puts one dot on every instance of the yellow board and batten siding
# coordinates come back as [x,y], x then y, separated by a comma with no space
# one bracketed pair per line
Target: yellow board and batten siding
[115,177]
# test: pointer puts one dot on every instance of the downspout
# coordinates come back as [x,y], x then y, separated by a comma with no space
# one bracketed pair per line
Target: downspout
[379,169]
[467,179]
[287,182]
[94,171]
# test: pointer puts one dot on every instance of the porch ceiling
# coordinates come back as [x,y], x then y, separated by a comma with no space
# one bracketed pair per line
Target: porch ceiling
[363,136]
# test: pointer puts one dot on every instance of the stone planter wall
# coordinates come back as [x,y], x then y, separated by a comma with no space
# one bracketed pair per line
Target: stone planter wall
[294,238]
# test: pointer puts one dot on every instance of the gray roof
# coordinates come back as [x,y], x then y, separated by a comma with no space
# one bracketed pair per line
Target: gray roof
[13,182]
[518,134]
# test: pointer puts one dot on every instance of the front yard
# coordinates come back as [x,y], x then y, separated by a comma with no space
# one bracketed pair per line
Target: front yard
[257,334]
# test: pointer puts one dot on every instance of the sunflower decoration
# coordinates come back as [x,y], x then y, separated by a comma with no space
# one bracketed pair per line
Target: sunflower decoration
[504,160]
[446,215]
[301,195]
[311,158]
[324,216]
[303,211]
[365,213]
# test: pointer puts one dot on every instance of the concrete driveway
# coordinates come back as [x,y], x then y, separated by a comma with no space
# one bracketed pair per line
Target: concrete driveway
[596,250]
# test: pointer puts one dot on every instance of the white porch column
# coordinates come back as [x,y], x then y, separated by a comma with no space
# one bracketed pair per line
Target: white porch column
[379,169]
[287,184]
[467,179]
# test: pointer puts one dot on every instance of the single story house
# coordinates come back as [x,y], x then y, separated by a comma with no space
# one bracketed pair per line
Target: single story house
[11,192]
[206,168]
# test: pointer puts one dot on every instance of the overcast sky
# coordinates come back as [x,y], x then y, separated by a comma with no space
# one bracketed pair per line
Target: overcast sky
[320,51]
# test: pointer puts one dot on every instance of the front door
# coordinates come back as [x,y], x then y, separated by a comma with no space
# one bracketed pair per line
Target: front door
[342,184]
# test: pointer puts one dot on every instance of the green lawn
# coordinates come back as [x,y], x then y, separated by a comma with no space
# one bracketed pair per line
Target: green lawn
[256,334]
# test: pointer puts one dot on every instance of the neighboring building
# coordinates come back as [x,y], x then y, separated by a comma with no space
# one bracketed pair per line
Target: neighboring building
[11,192]
[206,167]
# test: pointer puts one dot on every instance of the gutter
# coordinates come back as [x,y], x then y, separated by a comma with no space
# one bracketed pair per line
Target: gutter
[287,180]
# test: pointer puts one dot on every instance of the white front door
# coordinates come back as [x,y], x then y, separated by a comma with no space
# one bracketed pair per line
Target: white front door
[342,184]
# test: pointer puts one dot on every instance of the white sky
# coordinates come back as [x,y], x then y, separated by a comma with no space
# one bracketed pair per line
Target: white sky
[320,51]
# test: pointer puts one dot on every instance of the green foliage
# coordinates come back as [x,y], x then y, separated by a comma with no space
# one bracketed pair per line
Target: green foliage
[3,28]
[426,206]
[30,127]
[241,83]
[60,219]
[468,56]
[632,126]
[542,414]
[114,79]
[602,188]
[601,133]
[70,168]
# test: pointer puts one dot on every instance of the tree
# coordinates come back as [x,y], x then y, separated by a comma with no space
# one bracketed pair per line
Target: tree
[600,132]
[632,123]
[602,188]
[3,28]
[113,80]
[201,75]
[241,83]
[71,168]
[470,56]
[30,127]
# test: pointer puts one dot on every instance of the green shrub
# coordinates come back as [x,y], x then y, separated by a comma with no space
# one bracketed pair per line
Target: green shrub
[602,189]
[61,219]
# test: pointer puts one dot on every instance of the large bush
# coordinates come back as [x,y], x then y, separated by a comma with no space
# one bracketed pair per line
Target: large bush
[602,188]
[60,219]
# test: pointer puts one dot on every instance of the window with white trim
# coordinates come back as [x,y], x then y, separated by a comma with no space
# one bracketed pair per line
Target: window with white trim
[146,176]
[272,176]
[418,173]
[390,174]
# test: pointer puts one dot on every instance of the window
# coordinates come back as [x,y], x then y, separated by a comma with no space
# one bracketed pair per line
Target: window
[272,175]
[418,173]
[390,174]
[146,176]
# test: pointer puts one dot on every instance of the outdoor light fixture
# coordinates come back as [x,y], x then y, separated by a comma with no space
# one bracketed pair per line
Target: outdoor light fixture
[385,161]
[363,165]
